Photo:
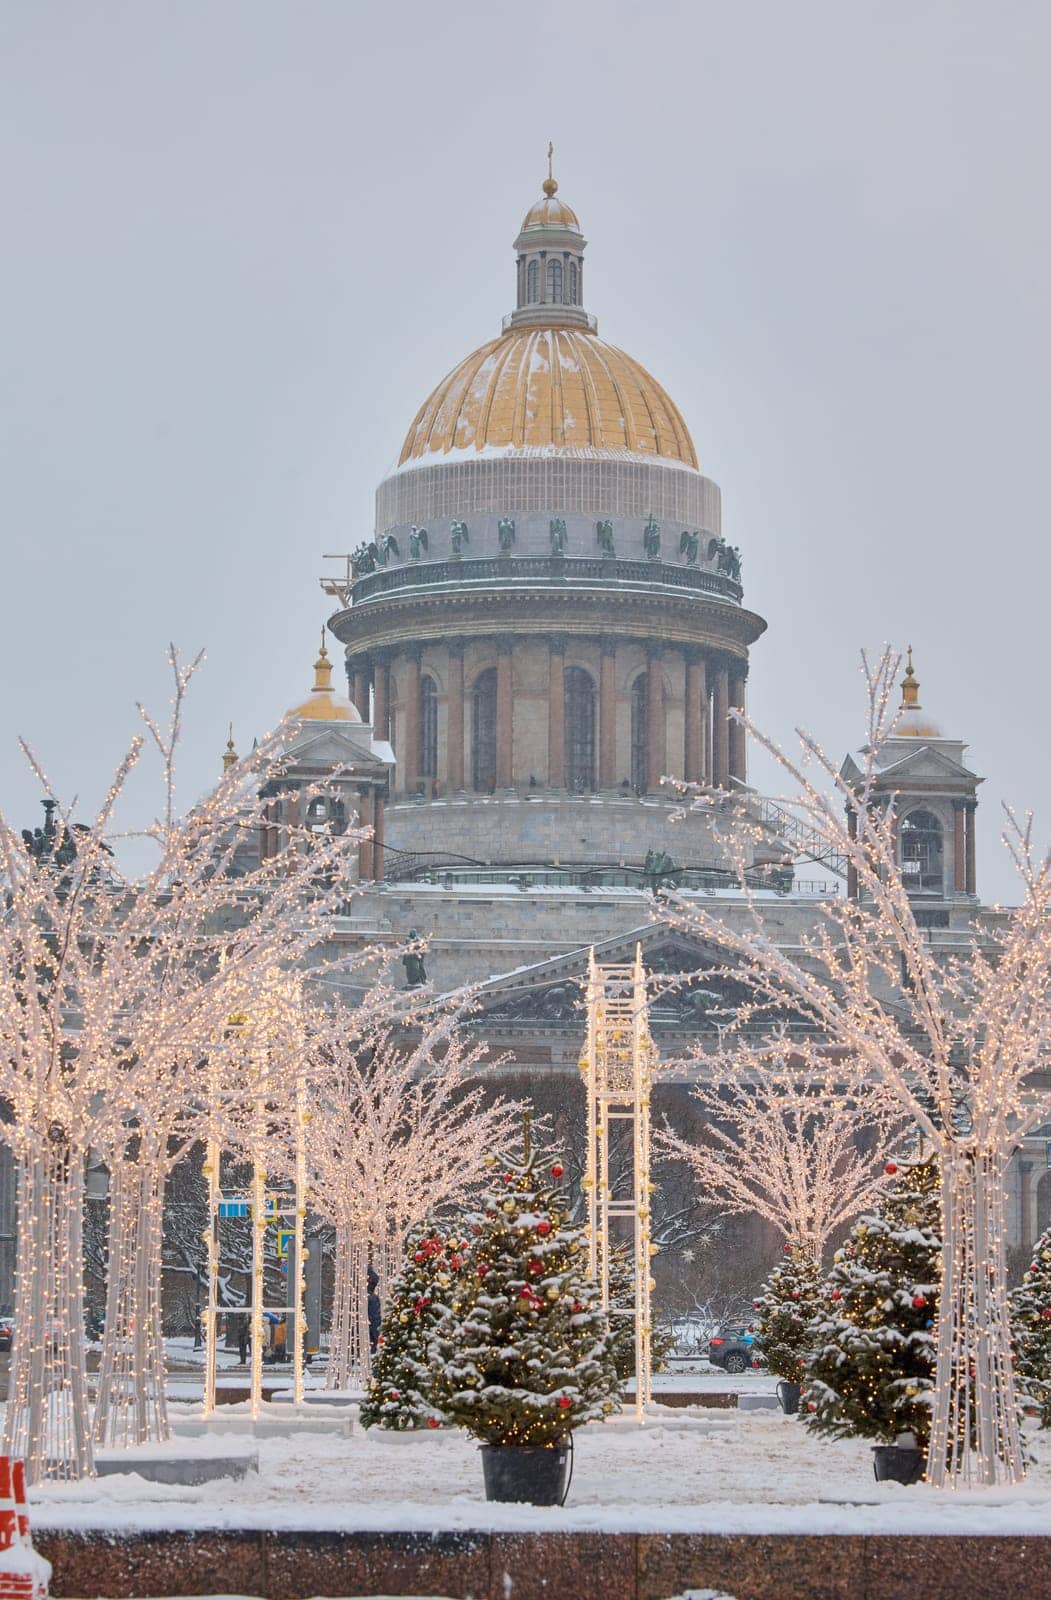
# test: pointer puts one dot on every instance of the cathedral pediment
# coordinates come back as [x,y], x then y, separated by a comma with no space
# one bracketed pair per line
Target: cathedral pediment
[687,990]
[929,764]
[333,747]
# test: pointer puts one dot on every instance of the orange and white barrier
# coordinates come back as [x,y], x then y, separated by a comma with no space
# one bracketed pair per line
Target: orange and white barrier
[24,1575]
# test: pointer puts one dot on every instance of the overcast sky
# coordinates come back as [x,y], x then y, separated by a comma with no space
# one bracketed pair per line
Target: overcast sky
[243,240]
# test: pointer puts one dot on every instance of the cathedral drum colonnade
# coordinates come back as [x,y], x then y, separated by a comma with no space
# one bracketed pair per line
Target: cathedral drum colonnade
[548,608]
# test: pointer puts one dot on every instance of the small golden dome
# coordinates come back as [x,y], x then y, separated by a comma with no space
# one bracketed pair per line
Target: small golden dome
[911,723]
[550,212]
[538,388]
[230,757]
[323,703]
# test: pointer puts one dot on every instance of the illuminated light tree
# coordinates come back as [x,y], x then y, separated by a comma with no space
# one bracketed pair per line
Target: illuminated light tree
[1031,1328]
[960,1042]
[114,985]
[398,1131]
[399,1392]
[790,1150]
[871,1367]
[523,1352]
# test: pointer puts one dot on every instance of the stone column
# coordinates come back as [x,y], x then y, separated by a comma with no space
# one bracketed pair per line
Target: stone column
[959,848]
[736,751]
[972,882]
[365,862]
[720,726]
[381,696]
[654,719]
[556,712]
[607,715]
[379,806]
[454,714]
[852,871]
[359,688]
[693,716]
[505,736]
[410,725]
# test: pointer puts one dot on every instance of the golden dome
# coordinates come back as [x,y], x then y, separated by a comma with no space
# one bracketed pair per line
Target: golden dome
[549,387]
[551,212]
[911,723]
[323,703]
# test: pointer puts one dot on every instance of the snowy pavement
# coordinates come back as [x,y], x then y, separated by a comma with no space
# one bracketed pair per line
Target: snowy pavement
[689,1470]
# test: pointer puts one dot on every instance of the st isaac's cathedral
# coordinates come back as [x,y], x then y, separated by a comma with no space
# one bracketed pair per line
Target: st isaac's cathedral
[548,619]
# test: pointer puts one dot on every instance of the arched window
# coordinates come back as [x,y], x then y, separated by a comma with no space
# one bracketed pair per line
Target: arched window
[922,852]
[326,814]
[428,727]
[574,289]
[639,740]
[533,283]
[580,730]
[483,731]
[554,282]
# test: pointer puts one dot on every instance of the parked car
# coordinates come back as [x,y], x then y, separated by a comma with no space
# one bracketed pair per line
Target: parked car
[7,1332]
[733,1349]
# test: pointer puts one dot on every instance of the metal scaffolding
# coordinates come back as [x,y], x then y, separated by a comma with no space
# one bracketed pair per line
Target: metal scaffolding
[618,1065]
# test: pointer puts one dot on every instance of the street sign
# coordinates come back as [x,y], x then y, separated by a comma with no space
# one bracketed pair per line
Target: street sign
[1047,1146]
[234,1208]
[283,1236]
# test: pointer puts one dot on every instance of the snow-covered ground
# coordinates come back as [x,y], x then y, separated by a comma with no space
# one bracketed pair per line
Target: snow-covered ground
[689,1470]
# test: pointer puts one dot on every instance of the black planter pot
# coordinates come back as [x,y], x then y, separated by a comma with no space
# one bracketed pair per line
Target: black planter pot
[537,1475]
[788,1397]
[897,1463]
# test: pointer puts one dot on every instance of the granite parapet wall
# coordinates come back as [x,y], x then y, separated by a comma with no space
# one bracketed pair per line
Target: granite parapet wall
[480,1565]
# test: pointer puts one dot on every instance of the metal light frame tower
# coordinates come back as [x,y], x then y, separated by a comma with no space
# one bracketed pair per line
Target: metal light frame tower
[618,1064]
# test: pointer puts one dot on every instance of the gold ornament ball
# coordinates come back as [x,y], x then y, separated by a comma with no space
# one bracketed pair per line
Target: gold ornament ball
[403,1316]
[508,1206]
[552,1294]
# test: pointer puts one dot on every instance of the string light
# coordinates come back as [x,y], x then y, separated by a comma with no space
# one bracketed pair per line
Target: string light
[959,1040]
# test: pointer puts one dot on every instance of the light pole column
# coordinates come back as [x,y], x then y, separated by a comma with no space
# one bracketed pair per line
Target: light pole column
[454,719]
[721,727]
[505,738]
[737,758]
[695,704]
[654,718]
[607,715]
[410,735]
[556,712]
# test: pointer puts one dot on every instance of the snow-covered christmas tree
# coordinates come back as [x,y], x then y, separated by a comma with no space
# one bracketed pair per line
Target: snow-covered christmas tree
[1031,1329]
[786,1303]
[526,1354]
[399,1392]
[871,1366]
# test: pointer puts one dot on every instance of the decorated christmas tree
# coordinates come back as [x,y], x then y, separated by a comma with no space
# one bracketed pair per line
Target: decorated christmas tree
[622,1320]
[524,1353]
[785,1306]
[1031,1329]
[871,1368]
[399,1393]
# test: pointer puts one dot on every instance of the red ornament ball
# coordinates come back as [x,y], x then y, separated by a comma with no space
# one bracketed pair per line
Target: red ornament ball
[891,1168]
[919,1301]
[564,1402]
[795,1294]
[1046,1311]
[394,1395]
[433,1423]
[837,1294]
[557,1170]
[418,1257]
[543,1227]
